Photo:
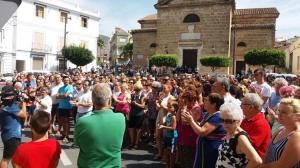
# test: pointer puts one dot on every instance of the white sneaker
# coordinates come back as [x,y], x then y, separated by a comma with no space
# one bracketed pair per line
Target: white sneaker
[65,140]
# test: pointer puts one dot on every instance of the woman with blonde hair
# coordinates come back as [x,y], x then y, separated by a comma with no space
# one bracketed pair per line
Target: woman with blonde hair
[284,149]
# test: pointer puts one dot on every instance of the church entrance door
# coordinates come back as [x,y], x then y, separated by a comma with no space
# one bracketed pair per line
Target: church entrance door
[240,66]
[190,58]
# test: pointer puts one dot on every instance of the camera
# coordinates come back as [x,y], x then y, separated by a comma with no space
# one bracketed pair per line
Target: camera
[9,95]
[23,97]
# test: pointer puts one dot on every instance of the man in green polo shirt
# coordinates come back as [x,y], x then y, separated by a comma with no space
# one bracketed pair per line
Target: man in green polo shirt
[100,135]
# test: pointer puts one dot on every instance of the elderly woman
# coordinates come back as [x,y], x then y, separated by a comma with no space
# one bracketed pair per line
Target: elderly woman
[44,101]
[211,133]
[136,115]
[237,150]
[284,149]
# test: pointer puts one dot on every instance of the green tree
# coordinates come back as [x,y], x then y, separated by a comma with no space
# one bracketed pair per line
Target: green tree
[168,60]
[100,42]
[80,56]
[127,51]
[215,62]
[264,57]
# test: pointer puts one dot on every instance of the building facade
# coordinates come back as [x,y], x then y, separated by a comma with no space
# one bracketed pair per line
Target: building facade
[293,56]
[196,28]
[119,39]
[103,53]
[35,35]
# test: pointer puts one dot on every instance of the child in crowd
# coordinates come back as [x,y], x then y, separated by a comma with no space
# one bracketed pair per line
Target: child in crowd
[170,134]
[41,151]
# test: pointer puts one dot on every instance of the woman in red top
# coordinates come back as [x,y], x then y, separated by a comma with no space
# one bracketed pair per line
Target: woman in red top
[41,151]
[187,137]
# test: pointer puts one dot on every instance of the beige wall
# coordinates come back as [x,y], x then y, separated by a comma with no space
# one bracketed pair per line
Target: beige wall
[141,48]
[255,38]
[294,49]
[214,27]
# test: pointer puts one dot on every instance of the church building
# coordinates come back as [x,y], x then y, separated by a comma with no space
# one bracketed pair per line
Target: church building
[196,28]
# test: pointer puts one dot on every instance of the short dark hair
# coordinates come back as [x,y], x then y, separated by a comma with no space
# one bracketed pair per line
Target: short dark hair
[217,99]
[260,71]
[64,77]
[40,122]
[89,82]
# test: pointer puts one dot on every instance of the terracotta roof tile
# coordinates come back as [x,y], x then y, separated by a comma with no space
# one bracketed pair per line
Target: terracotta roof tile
[256,11]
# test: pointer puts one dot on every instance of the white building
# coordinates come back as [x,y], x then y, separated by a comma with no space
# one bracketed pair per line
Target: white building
[34,36]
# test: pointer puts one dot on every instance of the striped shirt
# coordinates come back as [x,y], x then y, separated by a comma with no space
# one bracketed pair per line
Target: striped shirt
[276,148]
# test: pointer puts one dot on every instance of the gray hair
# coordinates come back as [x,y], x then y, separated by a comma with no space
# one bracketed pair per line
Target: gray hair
[224,82]
[156,84]
[280,82]
[255,100]
[101,94]
[233,110]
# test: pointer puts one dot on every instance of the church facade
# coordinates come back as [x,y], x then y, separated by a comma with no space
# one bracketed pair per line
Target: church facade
[196,28]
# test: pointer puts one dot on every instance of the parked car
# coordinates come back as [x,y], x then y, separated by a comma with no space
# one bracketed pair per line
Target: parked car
[7,76]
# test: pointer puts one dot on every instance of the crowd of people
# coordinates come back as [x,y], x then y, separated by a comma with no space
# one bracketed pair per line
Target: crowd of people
[190,120]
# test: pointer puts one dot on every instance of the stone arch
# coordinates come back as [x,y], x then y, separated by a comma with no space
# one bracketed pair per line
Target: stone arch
[242,44]
[191,18]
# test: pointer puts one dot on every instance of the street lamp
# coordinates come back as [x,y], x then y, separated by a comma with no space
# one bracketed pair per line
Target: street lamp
[65,36]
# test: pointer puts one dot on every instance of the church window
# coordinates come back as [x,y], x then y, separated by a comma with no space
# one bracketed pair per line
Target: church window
[191,18]
[242,44]
[153,45]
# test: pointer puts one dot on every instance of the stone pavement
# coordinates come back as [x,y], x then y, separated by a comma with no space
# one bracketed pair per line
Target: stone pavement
[141,158]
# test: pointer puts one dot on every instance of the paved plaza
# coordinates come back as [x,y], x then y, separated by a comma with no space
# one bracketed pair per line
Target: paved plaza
[130,158]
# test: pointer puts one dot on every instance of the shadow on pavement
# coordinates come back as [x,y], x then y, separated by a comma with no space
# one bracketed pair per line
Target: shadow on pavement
[153,165]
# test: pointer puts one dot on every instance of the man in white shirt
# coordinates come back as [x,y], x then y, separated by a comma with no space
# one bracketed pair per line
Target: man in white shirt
[222,86]
[84,102]
[54,90]
[262,88]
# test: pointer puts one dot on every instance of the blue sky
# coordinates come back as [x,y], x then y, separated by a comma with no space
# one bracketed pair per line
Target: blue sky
[125,13]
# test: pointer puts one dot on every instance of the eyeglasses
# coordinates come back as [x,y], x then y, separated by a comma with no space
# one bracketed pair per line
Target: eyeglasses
[78,83]
[227,121]
[86,85]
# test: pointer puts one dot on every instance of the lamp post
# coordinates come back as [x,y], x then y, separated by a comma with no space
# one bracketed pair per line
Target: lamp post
[65,36]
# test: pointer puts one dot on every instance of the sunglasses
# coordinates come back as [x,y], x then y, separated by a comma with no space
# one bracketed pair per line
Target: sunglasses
[227,121]
[78,83]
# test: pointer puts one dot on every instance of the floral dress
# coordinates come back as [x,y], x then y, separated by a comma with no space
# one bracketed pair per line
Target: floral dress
[228,158]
